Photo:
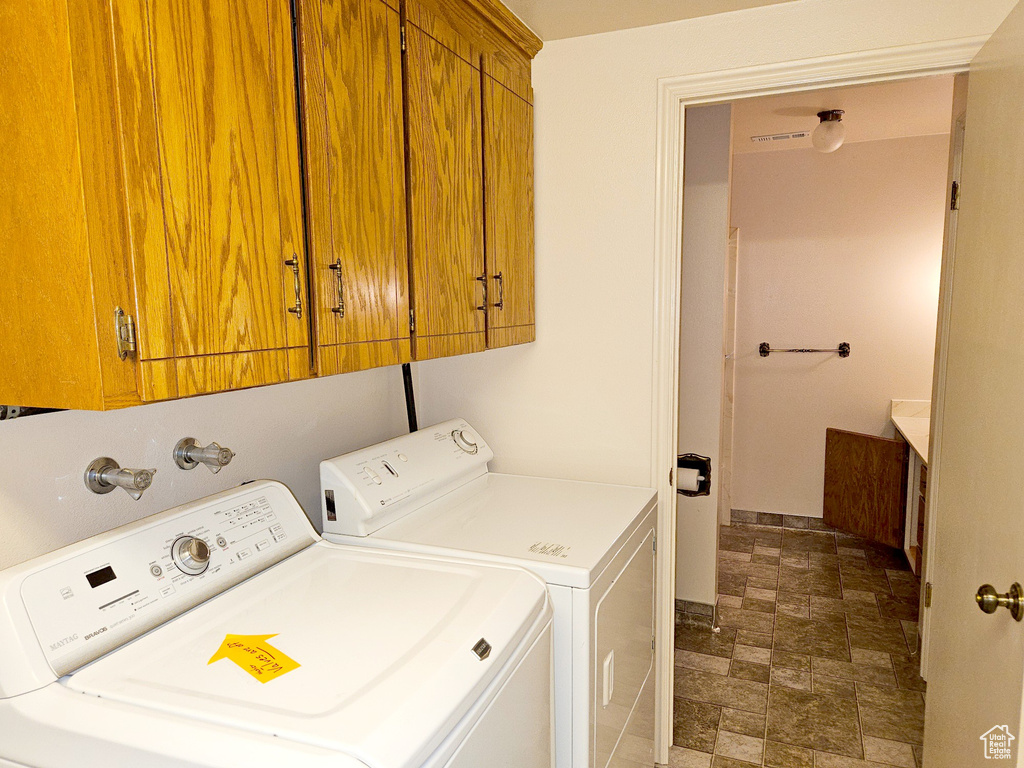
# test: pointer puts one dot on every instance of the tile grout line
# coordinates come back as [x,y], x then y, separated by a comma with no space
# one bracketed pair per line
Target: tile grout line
[718,734]
[849,644]
[728,674]
[771,656]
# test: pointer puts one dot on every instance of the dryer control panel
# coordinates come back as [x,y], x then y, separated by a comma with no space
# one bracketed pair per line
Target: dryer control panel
[86,600]
[363,491]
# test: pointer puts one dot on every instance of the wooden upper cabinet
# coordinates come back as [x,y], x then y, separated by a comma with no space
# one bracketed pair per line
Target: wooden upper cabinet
[208,109]
[469,119]
[445,197]
[59,222]
[508,195]
[350,52]
[152,157]
[152,167]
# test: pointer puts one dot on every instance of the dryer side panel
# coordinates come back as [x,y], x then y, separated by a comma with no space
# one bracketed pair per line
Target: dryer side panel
[623,635]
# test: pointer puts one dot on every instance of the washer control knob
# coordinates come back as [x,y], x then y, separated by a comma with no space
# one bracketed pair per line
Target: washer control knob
[191,555]
[464,441]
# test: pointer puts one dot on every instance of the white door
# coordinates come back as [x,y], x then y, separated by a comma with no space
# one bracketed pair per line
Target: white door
[956,156]
[976,664]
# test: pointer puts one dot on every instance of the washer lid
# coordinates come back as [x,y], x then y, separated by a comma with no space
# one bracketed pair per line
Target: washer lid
[384,644]
[566,531]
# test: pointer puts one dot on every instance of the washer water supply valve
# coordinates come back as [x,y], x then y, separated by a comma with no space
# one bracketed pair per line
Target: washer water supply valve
[104,475]
[188,454]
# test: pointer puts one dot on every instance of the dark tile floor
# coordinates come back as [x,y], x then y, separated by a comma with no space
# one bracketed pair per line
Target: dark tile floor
[814,664]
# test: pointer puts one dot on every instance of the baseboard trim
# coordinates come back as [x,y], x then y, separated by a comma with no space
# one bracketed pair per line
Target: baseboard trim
[777,520]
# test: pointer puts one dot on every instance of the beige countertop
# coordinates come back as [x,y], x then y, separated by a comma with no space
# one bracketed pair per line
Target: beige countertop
[913,420]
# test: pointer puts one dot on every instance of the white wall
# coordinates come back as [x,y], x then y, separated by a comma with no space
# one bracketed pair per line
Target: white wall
[578,402]
[280,432]
[839,247]
[701,334]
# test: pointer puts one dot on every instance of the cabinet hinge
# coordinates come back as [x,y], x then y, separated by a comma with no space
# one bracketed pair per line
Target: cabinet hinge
[412,321]
[124,327]
[671,476]
[652,645]
[402,36]
[954,197]
[655,541]
[927,594]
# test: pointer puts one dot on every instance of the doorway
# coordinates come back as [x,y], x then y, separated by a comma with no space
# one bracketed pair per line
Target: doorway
[848,244]
[675,95]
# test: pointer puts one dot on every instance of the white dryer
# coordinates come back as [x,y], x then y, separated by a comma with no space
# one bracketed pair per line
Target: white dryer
[226,633]
[431,492]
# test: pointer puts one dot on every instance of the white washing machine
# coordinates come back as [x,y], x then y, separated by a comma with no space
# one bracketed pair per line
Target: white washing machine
[431,492]
[226,633]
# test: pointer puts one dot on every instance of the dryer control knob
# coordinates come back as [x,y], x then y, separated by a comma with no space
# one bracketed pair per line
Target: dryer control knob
[464,441]
[191,555]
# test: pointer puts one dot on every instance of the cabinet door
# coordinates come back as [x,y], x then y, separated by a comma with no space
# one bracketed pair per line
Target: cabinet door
[213,184]
[50,343]
[866,485]
[355,170]
[508,196]
[445,198]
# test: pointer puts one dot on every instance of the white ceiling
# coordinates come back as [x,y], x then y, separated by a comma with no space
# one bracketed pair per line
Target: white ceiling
[894,109]
[555,19]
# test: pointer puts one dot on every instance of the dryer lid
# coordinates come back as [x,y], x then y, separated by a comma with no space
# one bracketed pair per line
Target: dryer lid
[564,530]
[383,642]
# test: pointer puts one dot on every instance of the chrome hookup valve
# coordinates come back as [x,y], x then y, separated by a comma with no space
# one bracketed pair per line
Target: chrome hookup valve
[188,454]
[104,475]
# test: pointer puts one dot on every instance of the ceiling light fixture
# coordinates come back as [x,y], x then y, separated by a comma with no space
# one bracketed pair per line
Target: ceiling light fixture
[829,135]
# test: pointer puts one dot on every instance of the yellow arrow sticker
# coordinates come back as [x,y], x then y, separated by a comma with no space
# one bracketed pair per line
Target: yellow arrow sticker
[256,656]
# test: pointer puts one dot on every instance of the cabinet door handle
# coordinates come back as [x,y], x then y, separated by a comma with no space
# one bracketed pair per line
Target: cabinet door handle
[340,309]
[483,281]
[500,303]
[293,262]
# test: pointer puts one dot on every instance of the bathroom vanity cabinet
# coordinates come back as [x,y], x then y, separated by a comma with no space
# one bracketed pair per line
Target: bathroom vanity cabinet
[912,419]
[875,487]
[865,485]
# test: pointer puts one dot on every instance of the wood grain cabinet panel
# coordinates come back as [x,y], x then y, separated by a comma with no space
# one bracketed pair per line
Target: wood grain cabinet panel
[508,195]
[151,158]
[445,181]
[865,489]
[61,218]
[355,170]
[41,167]
[152,154]
[215,74]
[485,36]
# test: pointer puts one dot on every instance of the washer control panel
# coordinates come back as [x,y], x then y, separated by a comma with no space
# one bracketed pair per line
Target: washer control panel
[365,490]
[113,587]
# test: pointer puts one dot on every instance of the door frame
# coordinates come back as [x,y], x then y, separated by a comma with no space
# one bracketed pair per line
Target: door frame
[956,149]
[674,95]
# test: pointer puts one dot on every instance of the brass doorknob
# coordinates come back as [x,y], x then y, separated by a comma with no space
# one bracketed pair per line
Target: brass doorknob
[989,600]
